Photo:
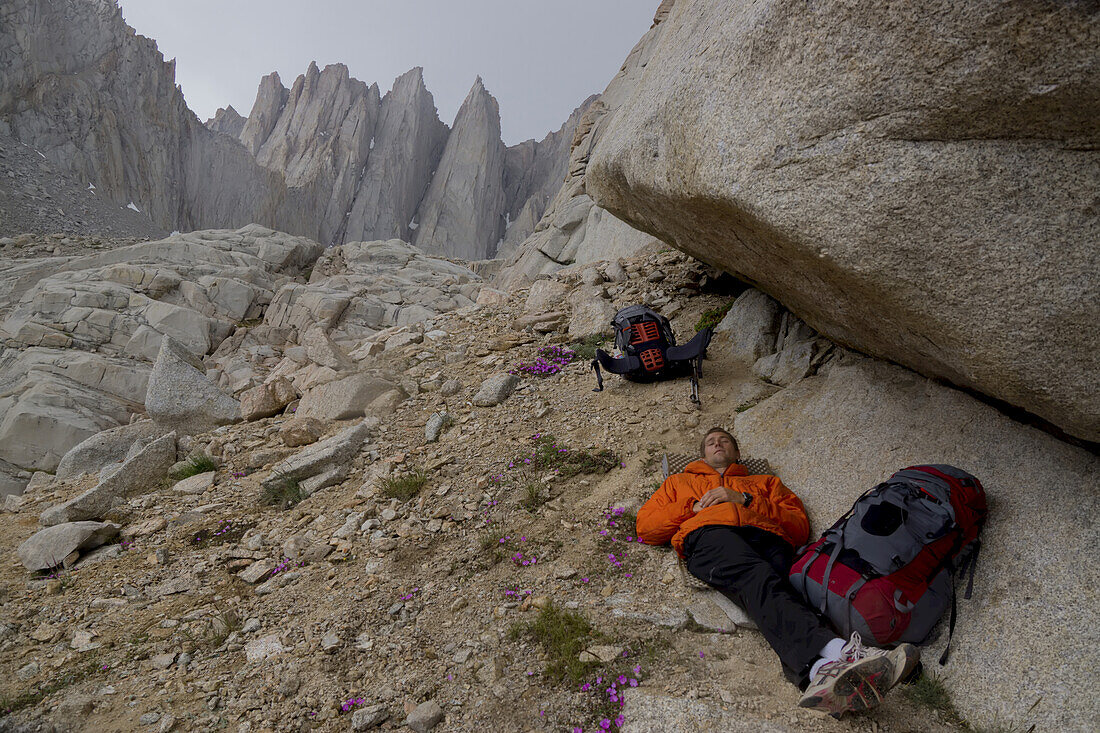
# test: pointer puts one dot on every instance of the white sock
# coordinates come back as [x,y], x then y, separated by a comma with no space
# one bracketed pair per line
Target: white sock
[829,653]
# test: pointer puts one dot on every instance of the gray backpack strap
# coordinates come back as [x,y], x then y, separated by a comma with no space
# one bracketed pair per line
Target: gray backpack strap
[838,532]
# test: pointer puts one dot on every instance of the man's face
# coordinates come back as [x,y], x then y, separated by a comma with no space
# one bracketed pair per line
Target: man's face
[719,451]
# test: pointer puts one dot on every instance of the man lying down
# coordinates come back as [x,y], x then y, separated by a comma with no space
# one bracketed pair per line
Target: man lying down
[738,533]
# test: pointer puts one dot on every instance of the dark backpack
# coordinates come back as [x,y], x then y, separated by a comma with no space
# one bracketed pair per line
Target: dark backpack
[889,563]
[645,339]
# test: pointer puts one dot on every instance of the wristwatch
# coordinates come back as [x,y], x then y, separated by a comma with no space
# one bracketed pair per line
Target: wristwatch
[748,499]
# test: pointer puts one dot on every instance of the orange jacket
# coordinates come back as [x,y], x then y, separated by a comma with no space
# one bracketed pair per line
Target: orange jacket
[668,513]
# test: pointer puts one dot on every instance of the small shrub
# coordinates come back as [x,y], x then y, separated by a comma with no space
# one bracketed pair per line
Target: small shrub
[745,406]
[404,487]
[585,349]
[713,317]
[534,496]
[487,541]
[284,492]
[563,635]
[195,465]
[216,630]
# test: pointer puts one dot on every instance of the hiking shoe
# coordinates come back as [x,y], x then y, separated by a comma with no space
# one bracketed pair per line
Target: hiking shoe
[859,679]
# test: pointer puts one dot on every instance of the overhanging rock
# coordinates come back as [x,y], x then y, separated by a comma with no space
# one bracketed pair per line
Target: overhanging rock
[928,197]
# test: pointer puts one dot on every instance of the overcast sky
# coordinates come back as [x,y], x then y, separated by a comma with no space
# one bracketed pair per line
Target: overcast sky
[540,59]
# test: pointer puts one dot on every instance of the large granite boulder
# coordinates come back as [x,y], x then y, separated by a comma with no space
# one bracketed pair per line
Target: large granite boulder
[322,457]
[182,398]
[144,470]
[47,548]
[344,398]
[928,198]
[104,448]
[835,435]
[52,399]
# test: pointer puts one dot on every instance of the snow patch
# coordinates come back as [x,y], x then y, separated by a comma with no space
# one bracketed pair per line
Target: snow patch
[132,207]
[91,186]
[413,225]
[371,143]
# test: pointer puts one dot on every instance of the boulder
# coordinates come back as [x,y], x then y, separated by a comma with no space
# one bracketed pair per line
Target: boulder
[181,398]
[320,457]
[892,418]
[592,313]
[343,399]
[46,548]
[865,200]
[104,448]
[142,472]
[56,398]
[322,350]
[796,361]
[197,484]
[491,296]
[301,431]
[752,324]
[369,717]
[545,295]
[384,404]
[495,389]
[435,425]
[267,399]
[425,716]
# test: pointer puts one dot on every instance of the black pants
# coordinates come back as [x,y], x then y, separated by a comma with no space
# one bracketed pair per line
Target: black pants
[750,567]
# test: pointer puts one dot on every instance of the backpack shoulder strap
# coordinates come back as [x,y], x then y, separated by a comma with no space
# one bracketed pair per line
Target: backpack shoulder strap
[693,349]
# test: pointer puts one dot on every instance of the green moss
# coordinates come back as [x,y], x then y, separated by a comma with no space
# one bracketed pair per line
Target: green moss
[713,317]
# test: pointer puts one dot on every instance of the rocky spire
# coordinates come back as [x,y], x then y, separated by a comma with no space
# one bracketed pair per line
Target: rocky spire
[462,214]
[226,121]
[320,143]
[408,141]
[265,112]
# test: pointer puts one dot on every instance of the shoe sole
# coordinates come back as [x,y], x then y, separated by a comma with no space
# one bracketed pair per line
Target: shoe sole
[862,686]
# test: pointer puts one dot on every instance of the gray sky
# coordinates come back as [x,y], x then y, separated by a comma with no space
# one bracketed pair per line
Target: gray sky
[539,59]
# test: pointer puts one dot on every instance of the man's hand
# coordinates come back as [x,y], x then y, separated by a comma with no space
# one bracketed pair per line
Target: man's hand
[718,495]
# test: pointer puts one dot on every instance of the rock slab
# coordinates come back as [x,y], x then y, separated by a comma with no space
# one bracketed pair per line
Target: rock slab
[142,472]
[866,199]
[893,418]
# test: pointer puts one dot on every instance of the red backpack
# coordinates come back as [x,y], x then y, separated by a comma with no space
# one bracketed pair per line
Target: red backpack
[888,564]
